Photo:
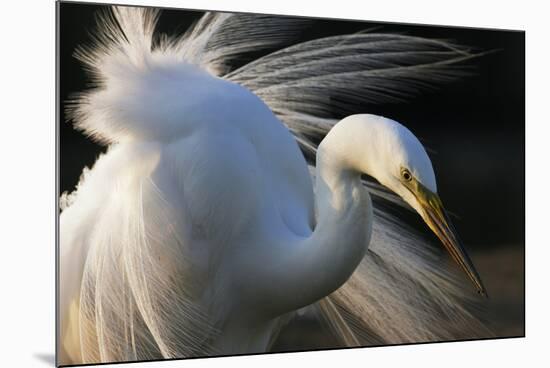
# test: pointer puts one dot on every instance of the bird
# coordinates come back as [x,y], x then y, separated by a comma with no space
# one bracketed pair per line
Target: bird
[231,199]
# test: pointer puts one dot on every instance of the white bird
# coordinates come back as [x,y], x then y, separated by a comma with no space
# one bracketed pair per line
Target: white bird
[202,231]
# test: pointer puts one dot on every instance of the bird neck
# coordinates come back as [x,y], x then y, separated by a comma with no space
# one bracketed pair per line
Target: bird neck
[321,263]
[344,216]
[303,270]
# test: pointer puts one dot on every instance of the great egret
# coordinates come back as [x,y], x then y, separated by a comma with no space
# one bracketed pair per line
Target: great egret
[200,232]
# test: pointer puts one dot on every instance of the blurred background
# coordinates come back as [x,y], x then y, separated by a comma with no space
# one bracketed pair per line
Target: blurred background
[474,130]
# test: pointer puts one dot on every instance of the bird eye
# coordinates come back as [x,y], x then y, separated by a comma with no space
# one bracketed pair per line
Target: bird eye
[406,175]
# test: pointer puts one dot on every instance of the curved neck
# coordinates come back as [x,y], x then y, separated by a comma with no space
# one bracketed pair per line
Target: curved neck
[317,265]
[344,221]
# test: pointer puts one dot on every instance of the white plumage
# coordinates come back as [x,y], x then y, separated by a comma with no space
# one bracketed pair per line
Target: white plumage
[199,231]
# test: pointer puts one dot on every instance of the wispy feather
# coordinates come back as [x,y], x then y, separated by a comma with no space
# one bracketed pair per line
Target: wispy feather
[130,308]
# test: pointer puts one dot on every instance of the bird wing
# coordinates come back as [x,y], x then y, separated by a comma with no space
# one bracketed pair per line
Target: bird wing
[402,291]
[138,290]
[128,285]
[308,86]
[137,297]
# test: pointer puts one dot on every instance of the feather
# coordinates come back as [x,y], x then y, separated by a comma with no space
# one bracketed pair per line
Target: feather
[129,307]
[309,86]
[218,39]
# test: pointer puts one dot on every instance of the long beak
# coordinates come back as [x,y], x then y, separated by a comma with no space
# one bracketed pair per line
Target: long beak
[436,218]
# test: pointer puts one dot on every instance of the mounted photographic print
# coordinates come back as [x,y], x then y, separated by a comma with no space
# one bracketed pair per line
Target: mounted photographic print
[233,183]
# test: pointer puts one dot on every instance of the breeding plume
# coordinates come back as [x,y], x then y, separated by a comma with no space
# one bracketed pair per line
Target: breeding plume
[214,216]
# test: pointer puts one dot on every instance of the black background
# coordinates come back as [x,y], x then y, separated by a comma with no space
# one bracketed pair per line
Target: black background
[473,128]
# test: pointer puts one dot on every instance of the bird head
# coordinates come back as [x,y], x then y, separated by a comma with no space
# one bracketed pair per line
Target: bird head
[391,154]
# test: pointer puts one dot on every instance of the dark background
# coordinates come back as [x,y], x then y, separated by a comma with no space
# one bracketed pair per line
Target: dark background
[474,130]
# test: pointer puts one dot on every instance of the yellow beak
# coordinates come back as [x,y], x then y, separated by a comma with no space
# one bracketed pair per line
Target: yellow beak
[436,218]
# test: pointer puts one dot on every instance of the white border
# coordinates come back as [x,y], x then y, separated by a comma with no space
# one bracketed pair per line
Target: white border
[27,183]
